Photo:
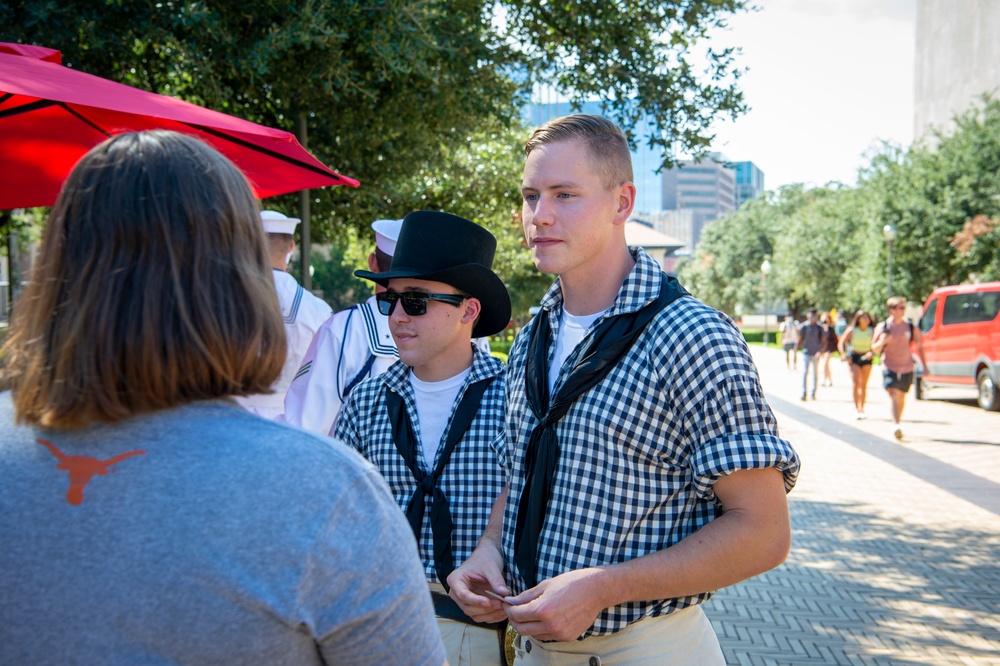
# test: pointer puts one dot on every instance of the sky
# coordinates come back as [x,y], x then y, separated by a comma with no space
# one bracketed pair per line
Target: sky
[828,81]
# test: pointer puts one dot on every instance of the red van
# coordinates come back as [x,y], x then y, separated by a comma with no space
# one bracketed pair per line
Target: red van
[961,327]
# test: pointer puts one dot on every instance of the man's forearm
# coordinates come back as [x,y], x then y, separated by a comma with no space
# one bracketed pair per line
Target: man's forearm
[751,537]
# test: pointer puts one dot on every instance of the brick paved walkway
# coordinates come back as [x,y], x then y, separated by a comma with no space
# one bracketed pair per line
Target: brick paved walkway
[896,547]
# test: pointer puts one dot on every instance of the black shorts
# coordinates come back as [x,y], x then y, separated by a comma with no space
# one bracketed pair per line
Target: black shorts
[857,359]
[901,381]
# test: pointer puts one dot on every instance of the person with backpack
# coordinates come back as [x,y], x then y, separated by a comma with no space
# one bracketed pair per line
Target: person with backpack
[789,331]
[894,338]
[812,342]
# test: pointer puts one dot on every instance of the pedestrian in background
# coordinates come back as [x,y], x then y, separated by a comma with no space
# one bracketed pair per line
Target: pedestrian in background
[148,518]
[829,347]
[855,346]
[895,338]
[840,324]
[789,330]
[812,343]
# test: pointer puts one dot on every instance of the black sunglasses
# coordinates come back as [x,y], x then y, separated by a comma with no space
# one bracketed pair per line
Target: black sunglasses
[414,302]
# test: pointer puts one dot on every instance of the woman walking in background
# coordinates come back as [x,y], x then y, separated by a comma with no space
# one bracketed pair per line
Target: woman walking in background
[857,342]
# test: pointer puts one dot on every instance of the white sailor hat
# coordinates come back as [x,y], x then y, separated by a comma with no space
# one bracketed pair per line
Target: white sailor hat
[276,223]
[386,234]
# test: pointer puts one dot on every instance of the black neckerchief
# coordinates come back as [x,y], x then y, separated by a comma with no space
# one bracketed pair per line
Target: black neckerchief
[610,341]
[406,444]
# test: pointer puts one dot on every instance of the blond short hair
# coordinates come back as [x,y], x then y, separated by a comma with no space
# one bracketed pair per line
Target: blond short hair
[895,301]
[606,143]
[153,289]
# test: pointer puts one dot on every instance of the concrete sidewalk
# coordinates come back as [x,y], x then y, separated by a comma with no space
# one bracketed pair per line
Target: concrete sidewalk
[896,546]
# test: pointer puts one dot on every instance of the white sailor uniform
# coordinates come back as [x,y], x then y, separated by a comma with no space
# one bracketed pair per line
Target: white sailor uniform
[352,345]
[303,314]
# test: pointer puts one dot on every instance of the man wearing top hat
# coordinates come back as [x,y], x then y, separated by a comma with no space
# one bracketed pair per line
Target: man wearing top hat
[303,312]
[433,423]
[352,345]
[349,346]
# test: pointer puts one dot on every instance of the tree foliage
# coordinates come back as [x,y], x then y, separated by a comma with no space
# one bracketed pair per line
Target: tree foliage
[420,100]
[725,268]
[480,183]
[827,245]
[391,88]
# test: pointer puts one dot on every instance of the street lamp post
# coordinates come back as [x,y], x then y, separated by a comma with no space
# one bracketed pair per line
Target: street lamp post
[765,270]
[889,233]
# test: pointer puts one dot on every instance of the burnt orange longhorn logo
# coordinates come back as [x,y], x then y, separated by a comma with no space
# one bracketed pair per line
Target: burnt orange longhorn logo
[83,468]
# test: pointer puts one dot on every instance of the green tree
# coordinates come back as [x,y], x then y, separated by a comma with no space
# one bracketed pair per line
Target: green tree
[479,184]
[810,250]
[967,163]
[394,87]
[827,246]
[932,194]
[334,275]
[724,270]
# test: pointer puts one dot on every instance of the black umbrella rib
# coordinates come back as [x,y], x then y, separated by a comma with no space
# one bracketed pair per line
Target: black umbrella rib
[85,120]
[25,108]
[44,104]
[261,149]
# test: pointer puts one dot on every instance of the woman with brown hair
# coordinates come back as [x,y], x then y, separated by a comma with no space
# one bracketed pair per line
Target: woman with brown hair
[857,343]
[830,345]
[147,517]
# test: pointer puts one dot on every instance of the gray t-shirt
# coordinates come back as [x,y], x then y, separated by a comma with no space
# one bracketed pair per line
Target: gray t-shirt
[202,535]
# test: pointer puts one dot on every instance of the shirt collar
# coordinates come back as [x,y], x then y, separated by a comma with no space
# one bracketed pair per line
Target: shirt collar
[484,366]
[641,286]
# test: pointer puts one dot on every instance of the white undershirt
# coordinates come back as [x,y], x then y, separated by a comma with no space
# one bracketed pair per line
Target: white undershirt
[572,329]
[434,402]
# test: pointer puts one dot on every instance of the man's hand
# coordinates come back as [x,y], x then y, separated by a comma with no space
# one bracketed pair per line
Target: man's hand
[482,571]
[560,608]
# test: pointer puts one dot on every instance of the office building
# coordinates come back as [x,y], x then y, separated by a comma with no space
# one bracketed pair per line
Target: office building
[707,188]
[749,182]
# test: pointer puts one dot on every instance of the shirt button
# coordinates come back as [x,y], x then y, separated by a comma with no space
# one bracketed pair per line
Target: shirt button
[527,646]
[594,661]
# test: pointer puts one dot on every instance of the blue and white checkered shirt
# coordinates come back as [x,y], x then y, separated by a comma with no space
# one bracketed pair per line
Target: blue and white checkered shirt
[476,472]
[640,452]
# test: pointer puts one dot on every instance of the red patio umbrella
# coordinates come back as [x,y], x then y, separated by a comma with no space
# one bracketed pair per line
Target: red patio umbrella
[50,115]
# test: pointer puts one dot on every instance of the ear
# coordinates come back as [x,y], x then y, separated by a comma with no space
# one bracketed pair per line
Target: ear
[372,263]
[472,309]
[625,197]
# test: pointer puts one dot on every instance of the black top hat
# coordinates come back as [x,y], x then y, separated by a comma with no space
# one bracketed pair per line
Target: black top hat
[447,248]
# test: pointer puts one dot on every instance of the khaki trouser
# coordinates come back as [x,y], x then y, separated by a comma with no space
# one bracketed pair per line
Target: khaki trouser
[682,638]
[466,644]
